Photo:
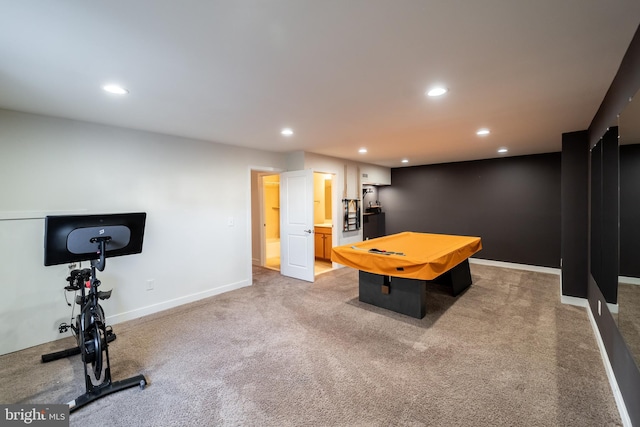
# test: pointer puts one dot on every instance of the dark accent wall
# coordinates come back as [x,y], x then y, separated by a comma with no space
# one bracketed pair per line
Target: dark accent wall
[512,203]
[575,219]
[595,212]
[610,218]
[604,215]
[629,210]
[625,85]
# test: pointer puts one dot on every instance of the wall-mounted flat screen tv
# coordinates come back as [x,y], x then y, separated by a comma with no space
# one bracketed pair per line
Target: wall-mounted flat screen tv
[74,238]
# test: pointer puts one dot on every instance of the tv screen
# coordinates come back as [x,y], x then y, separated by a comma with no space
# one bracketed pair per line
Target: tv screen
[73,238]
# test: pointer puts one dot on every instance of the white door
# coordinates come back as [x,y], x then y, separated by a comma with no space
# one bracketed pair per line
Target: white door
[296,225]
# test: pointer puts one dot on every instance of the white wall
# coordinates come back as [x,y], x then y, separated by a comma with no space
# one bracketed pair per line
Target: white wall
[375,175]
[188,188]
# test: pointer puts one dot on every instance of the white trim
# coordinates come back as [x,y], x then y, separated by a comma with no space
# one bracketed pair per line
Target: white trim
[515,266]
[624,415]
[629,280]
[165,305]
[580,302]
[21,215]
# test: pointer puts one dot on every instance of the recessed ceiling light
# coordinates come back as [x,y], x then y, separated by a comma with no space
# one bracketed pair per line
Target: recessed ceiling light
[502,150]
[118,90]
[362,150]
[483,132]
[437,91]
[287,132]
[405,161]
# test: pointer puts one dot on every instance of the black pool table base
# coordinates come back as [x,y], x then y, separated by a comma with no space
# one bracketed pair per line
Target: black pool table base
[409,296]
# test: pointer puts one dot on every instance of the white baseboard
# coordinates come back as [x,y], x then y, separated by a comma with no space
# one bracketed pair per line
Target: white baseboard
[165,305]
[566,299]
[624,415]
[583,302]
[629,280]
[515,266]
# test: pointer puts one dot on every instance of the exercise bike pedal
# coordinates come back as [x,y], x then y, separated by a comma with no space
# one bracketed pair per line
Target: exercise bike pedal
[64,327]
[109,334]
[104,294]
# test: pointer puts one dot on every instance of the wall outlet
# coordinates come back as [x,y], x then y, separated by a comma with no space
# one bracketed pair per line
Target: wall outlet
[230,221]
[150,284]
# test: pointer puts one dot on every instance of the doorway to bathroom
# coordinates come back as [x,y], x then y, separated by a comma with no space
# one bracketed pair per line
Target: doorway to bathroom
[323,221]
[271,216]
[265,220]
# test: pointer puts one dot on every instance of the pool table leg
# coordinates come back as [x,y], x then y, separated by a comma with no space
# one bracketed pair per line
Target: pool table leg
[459,278]
[406,296]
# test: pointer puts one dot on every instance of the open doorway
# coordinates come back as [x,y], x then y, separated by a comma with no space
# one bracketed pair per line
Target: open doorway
[271,215]
[323,221]
[265,220]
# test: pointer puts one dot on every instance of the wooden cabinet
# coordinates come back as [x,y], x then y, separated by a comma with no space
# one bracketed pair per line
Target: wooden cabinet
[323,242]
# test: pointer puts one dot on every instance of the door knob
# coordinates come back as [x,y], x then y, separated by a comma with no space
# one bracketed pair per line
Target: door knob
[308,231]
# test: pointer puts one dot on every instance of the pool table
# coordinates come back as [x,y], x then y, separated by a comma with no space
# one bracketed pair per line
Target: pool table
[394,269]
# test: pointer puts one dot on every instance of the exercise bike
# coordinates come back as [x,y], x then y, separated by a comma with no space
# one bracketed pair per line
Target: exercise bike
[92,334]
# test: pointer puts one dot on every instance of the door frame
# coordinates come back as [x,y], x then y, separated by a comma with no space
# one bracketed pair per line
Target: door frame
[267,170]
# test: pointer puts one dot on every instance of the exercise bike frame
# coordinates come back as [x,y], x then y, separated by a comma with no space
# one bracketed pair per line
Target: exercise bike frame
[92,337]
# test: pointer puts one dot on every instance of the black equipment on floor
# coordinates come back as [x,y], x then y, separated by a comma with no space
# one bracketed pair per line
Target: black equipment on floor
[76,238]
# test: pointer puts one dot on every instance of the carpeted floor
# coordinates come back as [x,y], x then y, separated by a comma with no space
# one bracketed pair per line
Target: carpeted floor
[289,353]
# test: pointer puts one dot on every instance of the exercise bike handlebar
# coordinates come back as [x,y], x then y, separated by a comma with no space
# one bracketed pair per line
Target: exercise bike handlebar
[102,260]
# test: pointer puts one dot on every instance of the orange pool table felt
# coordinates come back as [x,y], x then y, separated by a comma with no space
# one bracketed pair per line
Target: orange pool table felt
[424,256]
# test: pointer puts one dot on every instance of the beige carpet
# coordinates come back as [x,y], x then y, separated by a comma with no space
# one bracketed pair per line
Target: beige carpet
[287,353]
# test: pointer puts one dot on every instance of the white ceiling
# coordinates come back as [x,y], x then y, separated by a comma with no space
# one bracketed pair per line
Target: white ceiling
[343,74]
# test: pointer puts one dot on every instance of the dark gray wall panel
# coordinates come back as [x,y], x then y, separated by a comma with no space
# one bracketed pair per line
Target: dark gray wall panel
[512,203]
[575,214]
[610,217]
[595,212]
[629,210]
[604,214]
